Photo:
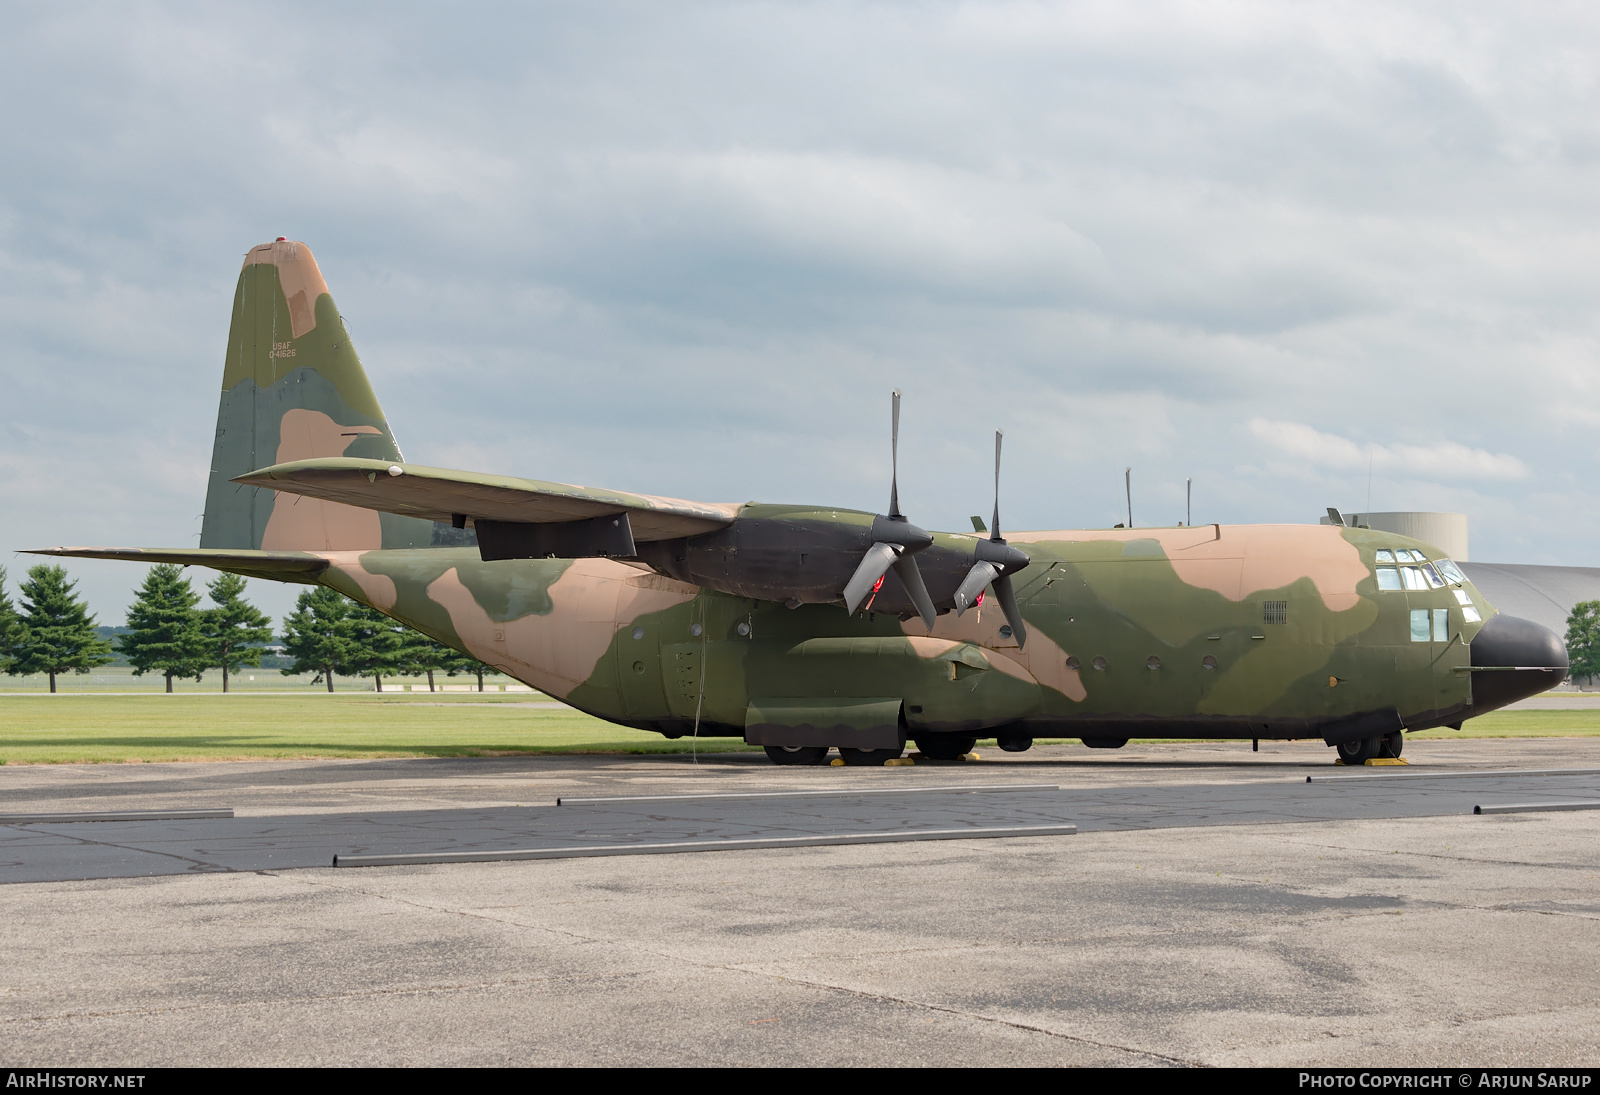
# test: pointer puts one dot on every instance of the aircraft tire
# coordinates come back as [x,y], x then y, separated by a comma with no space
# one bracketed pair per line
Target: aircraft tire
[869,758]
[944,746]
[797,754]
[1359,751]
[1393,744]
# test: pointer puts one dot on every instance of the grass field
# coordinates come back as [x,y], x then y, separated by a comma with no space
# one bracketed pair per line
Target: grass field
[70,728]
[82,727]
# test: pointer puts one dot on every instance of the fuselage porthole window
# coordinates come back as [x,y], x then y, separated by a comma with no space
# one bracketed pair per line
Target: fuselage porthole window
[1388,578]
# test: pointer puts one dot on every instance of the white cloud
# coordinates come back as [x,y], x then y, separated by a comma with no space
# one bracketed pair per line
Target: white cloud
[688,250]
[1443,460]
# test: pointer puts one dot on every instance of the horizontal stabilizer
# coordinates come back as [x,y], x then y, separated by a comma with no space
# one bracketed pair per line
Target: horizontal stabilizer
[277,566]
[439,494]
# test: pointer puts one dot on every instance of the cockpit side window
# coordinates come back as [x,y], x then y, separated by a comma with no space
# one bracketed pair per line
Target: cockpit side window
[1451,572]
[1388,578]
[1433,576]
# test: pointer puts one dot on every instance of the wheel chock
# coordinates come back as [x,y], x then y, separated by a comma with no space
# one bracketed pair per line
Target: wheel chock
[899,762]
[1382,761]
[971,756]
[836,762]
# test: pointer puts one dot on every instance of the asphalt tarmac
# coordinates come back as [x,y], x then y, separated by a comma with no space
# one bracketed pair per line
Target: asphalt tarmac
[1212,908]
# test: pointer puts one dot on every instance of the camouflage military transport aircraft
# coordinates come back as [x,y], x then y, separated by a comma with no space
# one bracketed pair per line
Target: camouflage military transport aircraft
[805,628]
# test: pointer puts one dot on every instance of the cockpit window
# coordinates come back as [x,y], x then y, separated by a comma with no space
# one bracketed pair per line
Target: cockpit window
[1413,578]
[1433,576]
[1385,555]
[1388,578]
[1415,555]
[1451,572]
[1430,625]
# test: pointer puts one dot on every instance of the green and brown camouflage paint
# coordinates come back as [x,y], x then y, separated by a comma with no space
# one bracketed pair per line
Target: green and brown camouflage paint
[1158,632]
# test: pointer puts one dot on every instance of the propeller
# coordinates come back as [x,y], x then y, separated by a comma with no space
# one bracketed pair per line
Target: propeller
[994,562]
[895,543]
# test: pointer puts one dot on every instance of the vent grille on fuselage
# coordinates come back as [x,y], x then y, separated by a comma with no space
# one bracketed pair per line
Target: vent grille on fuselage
[1274,612]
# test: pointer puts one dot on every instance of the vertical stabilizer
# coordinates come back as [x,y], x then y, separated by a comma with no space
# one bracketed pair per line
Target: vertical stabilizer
[293,388]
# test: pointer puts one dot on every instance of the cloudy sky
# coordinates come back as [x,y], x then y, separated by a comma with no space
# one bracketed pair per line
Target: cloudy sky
[1307,254]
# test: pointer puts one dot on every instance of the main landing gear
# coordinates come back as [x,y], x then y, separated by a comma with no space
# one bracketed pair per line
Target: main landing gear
[944,746]
[818,754]
[869,758]
[797,754]
[1384,747]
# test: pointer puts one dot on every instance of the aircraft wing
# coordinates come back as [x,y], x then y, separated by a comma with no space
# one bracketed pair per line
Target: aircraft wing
[439,494]
[279,566]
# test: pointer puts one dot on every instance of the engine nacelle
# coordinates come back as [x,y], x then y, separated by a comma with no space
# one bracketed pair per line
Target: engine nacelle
[805,555]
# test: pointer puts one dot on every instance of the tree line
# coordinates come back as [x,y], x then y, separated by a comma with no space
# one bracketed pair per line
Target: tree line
[51,631]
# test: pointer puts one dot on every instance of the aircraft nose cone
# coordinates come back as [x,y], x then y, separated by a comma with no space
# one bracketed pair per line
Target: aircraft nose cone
[1528,660]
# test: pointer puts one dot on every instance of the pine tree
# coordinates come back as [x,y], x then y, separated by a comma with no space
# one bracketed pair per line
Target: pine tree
[319,635]
[1583,639]
[376,644]
[420,654]
[234,629]
[164,628]
[466,663]
[10,627]
[58,632]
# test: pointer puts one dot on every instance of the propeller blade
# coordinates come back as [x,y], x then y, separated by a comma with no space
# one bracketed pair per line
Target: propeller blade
[873,564]
[1008,604]
[894,458]
[980,575]
[995,533]
[905,568]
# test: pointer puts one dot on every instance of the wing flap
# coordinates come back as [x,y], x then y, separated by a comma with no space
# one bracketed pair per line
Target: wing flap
[440,494]
[277,566]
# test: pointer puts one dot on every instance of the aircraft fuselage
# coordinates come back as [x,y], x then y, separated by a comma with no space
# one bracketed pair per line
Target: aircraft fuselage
[1266,631]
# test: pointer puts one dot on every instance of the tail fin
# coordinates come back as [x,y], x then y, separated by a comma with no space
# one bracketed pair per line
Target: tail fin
[293,388]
